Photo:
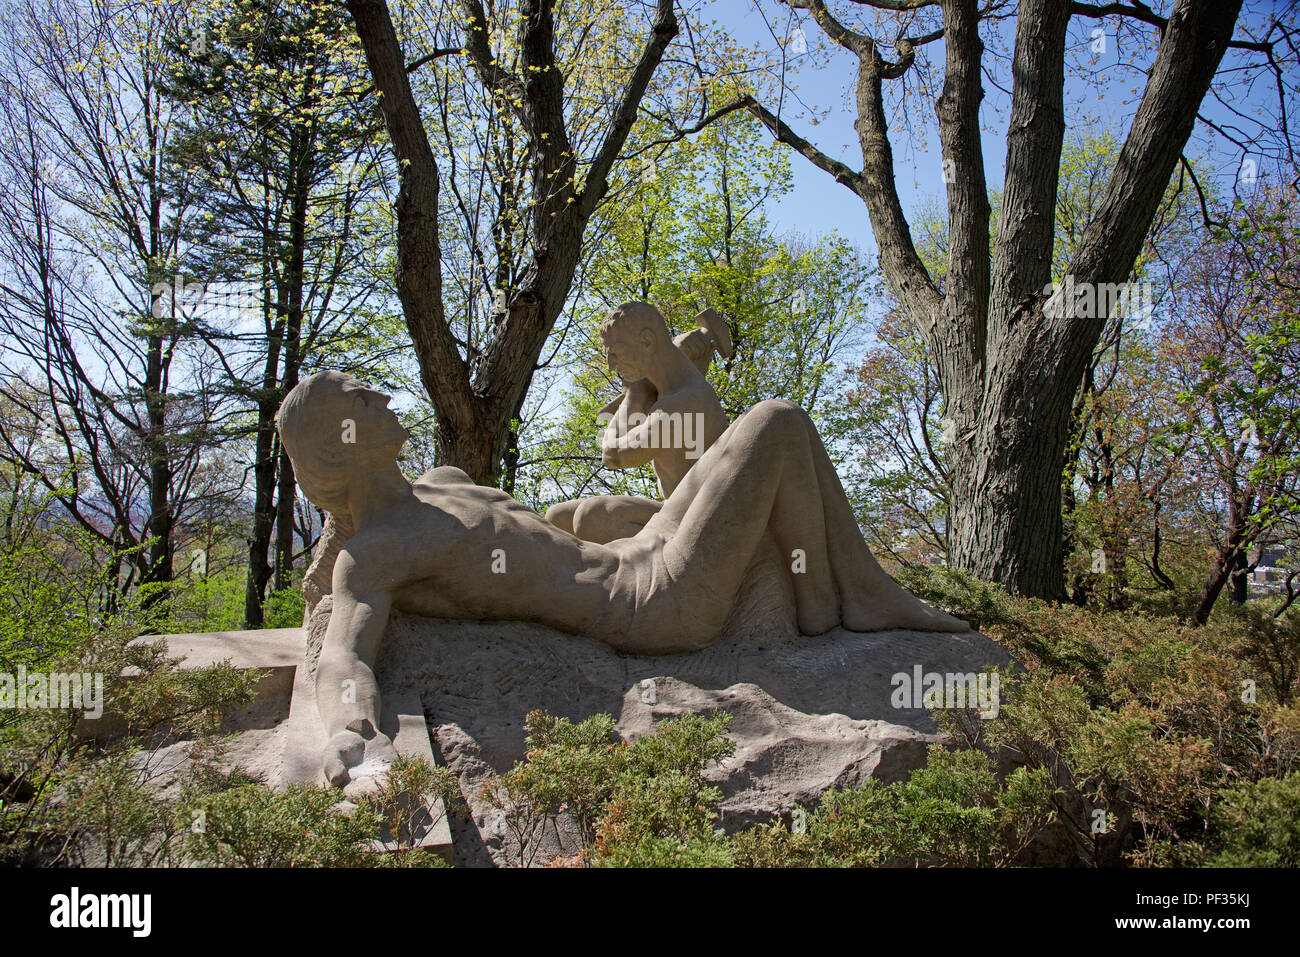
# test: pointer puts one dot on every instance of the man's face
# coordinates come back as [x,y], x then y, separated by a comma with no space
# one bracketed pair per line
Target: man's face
[624,354]
[373,416]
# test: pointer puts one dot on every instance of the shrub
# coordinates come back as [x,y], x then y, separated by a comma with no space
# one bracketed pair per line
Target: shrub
[251,825]
[230,819]
[953,813]
[1257,824]
[63,796]
[637,804]
[1138,720]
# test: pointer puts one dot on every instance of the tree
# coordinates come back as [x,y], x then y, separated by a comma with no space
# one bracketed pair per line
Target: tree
[1117,461]
[93,228]
[896,472]
[1191,443]
[1236,362]
[893,410]
[1008,368]
[696,236]
[555,91]
[1127,479]
[283,154]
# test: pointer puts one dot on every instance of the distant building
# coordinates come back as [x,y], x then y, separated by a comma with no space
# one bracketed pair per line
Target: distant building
[1270,575]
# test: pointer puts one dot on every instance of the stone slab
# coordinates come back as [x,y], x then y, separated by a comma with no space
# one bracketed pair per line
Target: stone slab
[267,648]
[281,734]
[807,713]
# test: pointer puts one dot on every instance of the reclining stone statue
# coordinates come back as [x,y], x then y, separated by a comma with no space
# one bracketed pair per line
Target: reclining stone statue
[668,414]
[443,547]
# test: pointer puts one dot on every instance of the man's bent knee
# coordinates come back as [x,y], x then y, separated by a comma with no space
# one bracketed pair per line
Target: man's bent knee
[778,414]
[603,519]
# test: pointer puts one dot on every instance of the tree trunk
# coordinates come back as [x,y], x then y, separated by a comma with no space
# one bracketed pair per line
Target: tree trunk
[1240,580]
[1213,585]
[1163,580]
[474,406]
[1227,561]
[160,477]
[1007,524]
[264,455]
[294,280]
[1009,372]
[259,542]
[1114,529]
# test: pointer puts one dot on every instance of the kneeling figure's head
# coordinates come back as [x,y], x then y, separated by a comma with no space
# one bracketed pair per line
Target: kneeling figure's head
[633,334]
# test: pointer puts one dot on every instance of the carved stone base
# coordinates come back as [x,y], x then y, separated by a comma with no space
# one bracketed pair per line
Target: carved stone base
[807,713]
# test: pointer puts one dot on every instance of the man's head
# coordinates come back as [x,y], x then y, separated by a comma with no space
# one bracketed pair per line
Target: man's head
[331,426]
[633,334]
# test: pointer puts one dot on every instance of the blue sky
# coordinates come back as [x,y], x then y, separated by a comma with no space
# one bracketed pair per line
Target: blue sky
[818,204]
[1104,81]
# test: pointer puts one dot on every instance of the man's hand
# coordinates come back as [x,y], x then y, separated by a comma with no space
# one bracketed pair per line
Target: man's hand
[625,445]
[641,396]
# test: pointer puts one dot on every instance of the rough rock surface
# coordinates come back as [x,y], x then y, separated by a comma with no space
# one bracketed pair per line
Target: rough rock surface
[807,713]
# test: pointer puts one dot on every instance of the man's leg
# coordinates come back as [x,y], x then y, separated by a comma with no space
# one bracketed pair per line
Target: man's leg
[604,518]
[561,515]
[758,476]
[769,470]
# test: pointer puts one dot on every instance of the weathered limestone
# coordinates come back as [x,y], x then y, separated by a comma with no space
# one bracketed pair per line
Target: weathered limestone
[667,414]
[808,713]
[279,736]
[446,548]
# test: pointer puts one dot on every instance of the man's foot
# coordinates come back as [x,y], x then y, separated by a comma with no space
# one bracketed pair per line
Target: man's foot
[897,609]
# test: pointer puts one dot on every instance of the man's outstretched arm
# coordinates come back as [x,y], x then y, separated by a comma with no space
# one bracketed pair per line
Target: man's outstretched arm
[346,692]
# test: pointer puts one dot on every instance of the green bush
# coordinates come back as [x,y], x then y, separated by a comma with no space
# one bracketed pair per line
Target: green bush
[638,804]
[648,804]
[1139,721]
[1257,824]
[252,825]
[953,813]
[231,820]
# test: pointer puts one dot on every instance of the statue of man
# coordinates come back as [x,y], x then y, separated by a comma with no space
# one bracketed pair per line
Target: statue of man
[444,547]
[668,415]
